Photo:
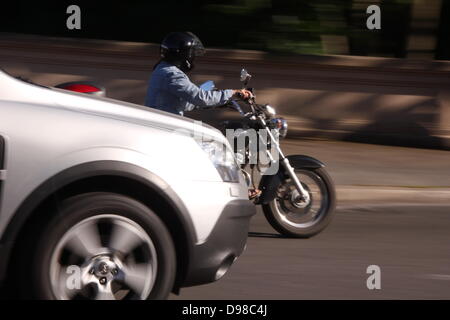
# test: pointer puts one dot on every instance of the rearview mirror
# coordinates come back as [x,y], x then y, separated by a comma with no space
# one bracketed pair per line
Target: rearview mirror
[245,76]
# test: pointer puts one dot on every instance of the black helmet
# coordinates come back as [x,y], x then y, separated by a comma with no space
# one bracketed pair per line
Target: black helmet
[181,48]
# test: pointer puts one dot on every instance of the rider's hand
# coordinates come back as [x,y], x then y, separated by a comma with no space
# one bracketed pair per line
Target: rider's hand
[243,94]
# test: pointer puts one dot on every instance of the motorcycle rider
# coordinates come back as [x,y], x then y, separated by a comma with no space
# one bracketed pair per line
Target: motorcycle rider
[170,88]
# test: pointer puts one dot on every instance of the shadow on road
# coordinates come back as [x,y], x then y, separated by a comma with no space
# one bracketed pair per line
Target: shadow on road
[266,235]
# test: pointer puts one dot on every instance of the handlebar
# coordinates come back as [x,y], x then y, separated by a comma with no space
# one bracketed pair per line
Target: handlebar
[236,106]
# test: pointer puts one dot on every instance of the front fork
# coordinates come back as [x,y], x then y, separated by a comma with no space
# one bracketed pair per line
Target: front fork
[304,195]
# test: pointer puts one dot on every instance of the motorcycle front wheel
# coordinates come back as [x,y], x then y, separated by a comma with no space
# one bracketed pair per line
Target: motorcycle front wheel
[295,218]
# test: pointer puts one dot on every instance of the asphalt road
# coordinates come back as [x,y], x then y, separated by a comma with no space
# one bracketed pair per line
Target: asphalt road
[410,244]
[377,165]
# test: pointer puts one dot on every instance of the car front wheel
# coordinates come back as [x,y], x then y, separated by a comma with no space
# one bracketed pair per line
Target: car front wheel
[104,246]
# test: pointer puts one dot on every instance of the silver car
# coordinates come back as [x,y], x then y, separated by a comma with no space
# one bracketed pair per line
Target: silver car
[102,199]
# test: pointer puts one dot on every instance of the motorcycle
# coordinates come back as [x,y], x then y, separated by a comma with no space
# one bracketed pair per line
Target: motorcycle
[298,197]
[296,193]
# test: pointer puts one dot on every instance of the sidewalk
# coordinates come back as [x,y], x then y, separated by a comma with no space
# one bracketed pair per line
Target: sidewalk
[389,195]
[377,174]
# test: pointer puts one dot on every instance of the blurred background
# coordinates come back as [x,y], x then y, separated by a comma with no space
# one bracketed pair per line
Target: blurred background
[410,28]
[373,105]
[315,61]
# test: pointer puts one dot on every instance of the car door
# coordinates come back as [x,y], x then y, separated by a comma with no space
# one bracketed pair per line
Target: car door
[2,168]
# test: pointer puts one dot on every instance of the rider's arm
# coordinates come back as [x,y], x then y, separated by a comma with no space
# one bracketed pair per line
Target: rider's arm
[180,85]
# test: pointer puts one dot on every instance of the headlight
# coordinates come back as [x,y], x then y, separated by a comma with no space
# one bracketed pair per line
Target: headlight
[222,158]
[270,111]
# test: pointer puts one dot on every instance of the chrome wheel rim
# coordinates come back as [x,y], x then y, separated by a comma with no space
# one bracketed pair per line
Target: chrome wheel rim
[299,214]
[104,257]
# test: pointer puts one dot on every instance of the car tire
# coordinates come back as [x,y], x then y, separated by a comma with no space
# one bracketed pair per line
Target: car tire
[275,218]
[96,211]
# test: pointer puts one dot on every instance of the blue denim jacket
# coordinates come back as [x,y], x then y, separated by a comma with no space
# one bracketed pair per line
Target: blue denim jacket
[171,90]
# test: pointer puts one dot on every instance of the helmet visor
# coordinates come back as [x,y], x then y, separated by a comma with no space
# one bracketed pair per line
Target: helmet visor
[197,45]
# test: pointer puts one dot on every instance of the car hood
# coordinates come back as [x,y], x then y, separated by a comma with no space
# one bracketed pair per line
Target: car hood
[20,91]
[133,113]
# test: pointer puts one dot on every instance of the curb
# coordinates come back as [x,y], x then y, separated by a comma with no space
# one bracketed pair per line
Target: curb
[393,194]
[348,130]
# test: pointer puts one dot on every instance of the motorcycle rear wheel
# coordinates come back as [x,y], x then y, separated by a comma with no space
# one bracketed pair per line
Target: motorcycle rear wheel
[293,218]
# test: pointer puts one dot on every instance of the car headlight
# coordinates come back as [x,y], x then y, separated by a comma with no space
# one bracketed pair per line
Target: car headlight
[223,159]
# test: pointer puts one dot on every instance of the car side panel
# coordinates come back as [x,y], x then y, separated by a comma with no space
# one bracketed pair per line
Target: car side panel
[2,168]
[56,139]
